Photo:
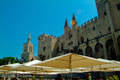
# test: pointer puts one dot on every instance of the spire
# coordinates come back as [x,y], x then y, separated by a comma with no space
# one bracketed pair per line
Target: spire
[29,37]
[73,20]
[66,23]
[74,17]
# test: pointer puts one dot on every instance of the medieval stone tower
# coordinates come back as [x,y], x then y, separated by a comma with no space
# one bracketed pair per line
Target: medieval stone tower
[27,54]
[98,37]
[46,44]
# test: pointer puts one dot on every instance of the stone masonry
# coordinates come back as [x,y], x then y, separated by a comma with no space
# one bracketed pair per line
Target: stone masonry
[98,37]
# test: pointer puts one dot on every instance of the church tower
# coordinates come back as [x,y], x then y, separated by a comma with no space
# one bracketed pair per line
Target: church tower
[74,31]
[27,54]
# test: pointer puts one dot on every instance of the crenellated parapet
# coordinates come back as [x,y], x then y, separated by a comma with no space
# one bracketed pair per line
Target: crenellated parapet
[61,37]
[92,21]
[46,37]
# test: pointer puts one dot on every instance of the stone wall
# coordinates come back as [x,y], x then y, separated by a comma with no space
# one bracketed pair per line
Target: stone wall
[98,37]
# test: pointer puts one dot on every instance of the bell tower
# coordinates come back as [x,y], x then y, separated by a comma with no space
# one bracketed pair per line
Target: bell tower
[27,54]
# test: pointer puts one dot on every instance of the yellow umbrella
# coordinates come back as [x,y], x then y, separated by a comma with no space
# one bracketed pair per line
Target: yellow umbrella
[112,66]
[30,68]
[71,61]
[107,67]
[9,66]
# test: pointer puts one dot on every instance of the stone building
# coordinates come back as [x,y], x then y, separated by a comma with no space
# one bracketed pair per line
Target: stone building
[98,37]
[27,54]
[46,46]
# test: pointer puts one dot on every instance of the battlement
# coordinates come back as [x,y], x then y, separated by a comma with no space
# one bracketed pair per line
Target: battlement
[61,37]
[92,21]
[45,36]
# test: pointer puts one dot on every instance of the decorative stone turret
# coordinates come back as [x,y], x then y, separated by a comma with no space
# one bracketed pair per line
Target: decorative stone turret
[74,22]
[66,23]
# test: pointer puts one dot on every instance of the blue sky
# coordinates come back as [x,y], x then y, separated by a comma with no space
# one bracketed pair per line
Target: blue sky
[18,18]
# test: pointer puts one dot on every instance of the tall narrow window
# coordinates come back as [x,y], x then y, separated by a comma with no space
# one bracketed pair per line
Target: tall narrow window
[70,36]
[62,47]
[82,39]
[105,13]
[118,6]
[44,48]
[57,49]
[109,29]
[93,28]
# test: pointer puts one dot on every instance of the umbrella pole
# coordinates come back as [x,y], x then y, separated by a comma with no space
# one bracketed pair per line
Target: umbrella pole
[62,73]
[35,69]
[16,74]
[91,68]
[71,73]
[4,75]
[100,72]
[70,61]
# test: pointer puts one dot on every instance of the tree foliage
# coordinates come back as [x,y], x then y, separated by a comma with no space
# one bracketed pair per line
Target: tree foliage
[8,60]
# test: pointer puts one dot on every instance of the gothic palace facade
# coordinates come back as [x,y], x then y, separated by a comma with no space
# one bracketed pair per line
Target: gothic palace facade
[98,37]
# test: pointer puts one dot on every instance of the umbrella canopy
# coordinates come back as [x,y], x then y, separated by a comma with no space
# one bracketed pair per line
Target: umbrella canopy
[35,69]
[113,69]
[18,72]
[26,66]
[71,61]
[106,67]
[31,63]
[9,66]
[29,67]
[113,64]
[2,71]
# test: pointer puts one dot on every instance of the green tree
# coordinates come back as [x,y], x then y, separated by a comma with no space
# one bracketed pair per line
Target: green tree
[8,60]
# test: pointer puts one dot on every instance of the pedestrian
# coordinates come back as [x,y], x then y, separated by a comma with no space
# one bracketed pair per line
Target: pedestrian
[59,77]
[89,76]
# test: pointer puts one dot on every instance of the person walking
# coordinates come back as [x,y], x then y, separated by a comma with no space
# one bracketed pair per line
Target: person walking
[89,76]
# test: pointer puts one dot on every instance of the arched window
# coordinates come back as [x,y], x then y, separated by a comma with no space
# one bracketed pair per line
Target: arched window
[111,50]
[99,50]
[88,51]
[118,41]
[82,39]
[44,48]
[57,49]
